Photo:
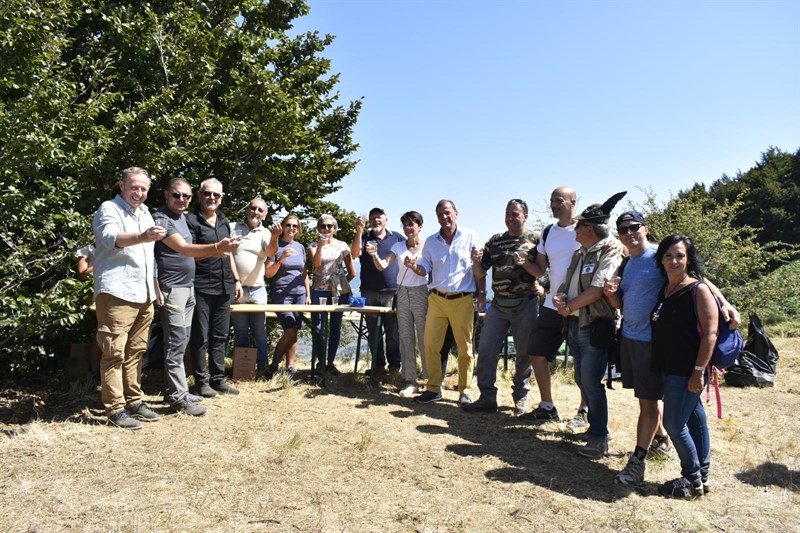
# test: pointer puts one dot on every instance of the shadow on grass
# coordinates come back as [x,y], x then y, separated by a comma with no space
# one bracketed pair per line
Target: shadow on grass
[771,474]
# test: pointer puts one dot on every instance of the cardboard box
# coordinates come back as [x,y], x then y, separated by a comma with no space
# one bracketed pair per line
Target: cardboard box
[244,364]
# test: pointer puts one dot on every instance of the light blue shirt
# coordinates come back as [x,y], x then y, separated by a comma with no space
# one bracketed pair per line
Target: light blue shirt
[450,265]
[639,288]
[126,273]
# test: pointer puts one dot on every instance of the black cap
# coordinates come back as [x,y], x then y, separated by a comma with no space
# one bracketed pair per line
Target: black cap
[376,209]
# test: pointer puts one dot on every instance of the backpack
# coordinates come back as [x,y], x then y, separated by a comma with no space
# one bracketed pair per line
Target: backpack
[730,342]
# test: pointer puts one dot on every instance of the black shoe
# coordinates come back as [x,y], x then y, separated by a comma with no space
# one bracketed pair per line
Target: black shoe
[332,370]
[541,415]
[144,413]
[194,399]
[428,397]
[223,387]
[682,489]
[480,406]
[123,419]
[206,391]
[188,408]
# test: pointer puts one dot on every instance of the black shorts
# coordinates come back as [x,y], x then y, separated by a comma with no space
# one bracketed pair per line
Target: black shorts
[636,373]
[547,335]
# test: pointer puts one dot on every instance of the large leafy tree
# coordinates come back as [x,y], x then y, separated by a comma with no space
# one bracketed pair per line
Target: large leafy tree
[184,88]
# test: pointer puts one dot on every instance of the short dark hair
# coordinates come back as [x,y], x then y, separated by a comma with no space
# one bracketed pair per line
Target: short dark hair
[176,181]
[694,264]
[411,216]
[446,201]
[521,203]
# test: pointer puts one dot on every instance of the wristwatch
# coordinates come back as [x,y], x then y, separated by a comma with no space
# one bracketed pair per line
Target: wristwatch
[699,368]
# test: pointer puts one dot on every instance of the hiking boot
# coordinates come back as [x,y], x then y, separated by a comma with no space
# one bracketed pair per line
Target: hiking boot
[596,448]
[188,408]
[464,400]
[206,391]
[332,370]
[122,419]
[142,412]
[581,419]
[428,397]
[223,387]
[521,407]
[194,399]
[541,414]
[660,449]
[408,390]
[480,406]
[681,489]
[633,473]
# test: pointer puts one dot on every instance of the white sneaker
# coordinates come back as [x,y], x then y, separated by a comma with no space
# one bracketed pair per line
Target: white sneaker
[408,391]
[464,399]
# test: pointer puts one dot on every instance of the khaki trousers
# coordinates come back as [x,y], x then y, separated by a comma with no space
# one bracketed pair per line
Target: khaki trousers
[458,314]
[123,330]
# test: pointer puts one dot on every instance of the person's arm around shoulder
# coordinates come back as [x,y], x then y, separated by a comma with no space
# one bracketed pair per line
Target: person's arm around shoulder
[708,316]
[729,313]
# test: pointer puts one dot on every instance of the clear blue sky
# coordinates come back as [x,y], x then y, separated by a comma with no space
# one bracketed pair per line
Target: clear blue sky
[484,101]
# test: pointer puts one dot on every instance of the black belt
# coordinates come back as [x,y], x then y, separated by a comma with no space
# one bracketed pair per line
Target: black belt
[450,295]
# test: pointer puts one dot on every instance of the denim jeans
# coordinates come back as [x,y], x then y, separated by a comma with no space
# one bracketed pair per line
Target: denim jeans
[496,326]
[685,422]
[176,319]
[334,327]
[243,323]
[590,367]
[389,326]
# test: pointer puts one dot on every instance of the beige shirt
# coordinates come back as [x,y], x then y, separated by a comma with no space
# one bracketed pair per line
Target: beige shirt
[250,255]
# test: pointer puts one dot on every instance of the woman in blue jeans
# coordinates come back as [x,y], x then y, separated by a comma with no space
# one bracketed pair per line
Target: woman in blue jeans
[332,270]
[684,325]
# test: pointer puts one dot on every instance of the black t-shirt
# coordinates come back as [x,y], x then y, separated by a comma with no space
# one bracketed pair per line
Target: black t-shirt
[675,337]
[212,275]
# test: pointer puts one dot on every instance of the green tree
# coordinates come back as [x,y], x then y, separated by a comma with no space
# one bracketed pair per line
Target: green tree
[184,88]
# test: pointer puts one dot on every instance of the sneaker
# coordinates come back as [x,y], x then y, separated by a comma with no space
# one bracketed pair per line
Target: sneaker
[682,489]
[408,390]
[706,487]
[541,415]
[633,473]
[194,399]
[331,369]
[521,407]
[144,413]
[428,397]
[660,449]
[464,399]
[123,420]
[291,370]
[581,420]
[596,448]
[188,408]
[223,387]
[480,406]
[206,391]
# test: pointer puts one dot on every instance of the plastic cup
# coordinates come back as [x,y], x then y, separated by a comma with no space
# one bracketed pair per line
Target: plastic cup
[372,246]
[236,234]
[520,255]
[323,301]
[334,300]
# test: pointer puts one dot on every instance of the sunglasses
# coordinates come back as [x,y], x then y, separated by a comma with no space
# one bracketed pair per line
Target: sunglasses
[633,228]
[582,224]
[256,208]
[290,225]
[212,194]
[179,195]
[325,226]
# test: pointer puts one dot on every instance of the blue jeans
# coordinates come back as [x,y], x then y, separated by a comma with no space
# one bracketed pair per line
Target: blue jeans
[389,326]
[590,367]
[334,328]
[243,323]
[685,422]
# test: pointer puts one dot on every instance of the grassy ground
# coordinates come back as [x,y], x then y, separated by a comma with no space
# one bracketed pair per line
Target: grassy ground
[289,456]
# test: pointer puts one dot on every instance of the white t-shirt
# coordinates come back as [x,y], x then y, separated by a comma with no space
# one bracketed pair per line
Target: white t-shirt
[406,276]
[559,247]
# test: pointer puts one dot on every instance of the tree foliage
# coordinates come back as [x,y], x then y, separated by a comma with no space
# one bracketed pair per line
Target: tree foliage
[183,88]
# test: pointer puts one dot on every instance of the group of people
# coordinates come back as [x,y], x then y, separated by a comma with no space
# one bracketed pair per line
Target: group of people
[194,265]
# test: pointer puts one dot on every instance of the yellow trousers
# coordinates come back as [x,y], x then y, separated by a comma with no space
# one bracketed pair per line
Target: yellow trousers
[458,314]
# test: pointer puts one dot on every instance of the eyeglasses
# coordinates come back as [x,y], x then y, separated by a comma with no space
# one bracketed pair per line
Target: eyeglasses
[256,208]
[212,194]
[287,225]
[325,226]
[633,228]
[179,195]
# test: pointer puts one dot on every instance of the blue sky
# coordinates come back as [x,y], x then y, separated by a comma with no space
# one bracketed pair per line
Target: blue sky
[482,101]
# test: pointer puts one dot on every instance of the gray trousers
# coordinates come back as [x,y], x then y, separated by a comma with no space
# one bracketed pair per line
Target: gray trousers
[412,306]
[176,321]
[496,326]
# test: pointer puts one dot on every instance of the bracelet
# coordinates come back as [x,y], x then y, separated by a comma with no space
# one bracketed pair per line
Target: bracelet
[481,293]
[699,368]
[216,247]
[236,280]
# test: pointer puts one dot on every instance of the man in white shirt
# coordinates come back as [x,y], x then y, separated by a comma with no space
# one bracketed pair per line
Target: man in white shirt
[447,257]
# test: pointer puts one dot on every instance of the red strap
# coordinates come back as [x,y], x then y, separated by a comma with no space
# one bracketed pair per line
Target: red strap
[712,374]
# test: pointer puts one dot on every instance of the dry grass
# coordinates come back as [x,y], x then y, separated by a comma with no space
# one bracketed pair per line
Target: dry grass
[290,456]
